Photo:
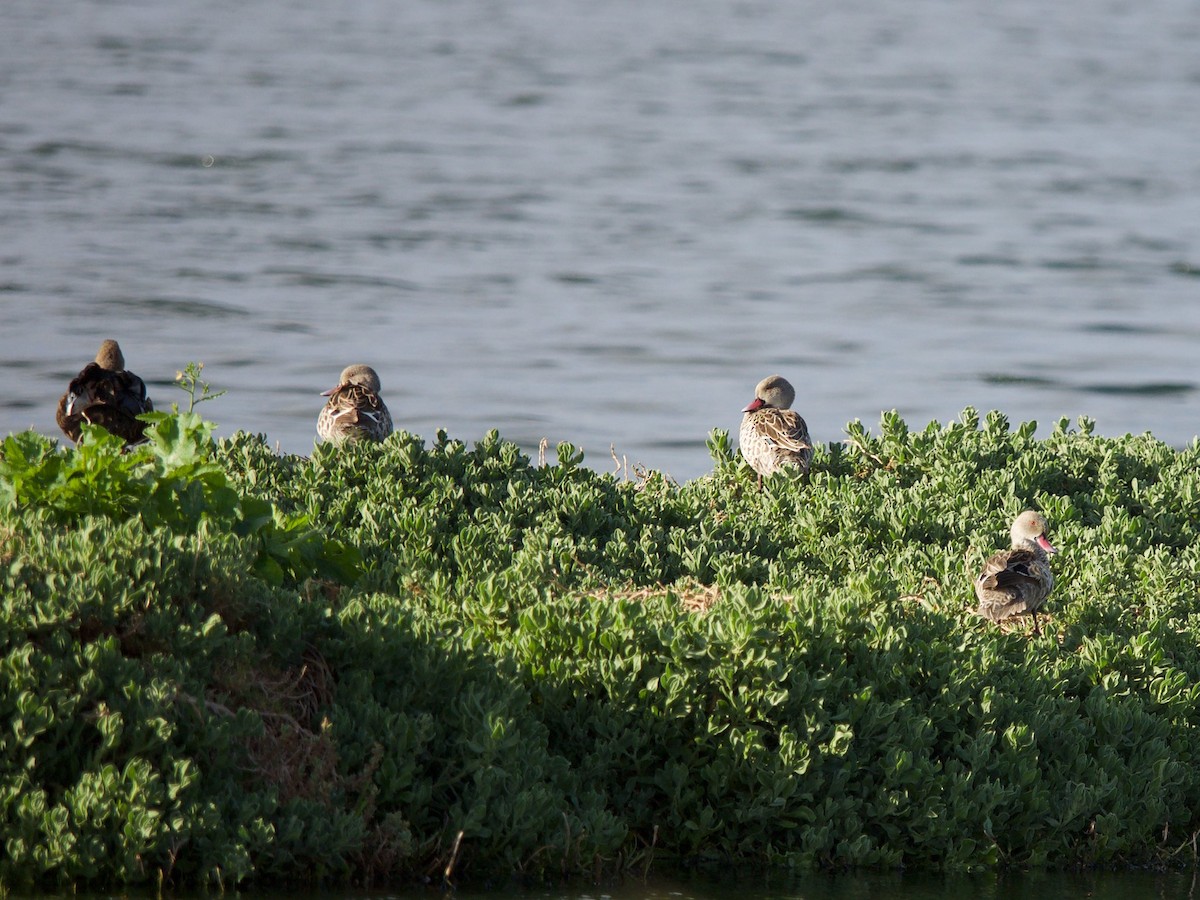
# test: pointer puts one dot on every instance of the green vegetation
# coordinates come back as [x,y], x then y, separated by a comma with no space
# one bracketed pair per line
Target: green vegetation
[395,662]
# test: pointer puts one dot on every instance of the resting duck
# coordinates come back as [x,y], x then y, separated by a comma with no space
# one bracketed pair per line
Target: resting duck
[772,435]
[1019,580]
[105,394]
[355,410]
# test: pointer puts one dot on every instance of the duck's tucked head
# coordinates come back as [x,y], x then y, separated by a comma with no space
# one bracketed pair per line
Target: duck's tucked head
[110,358]
[358,374]
[773,392]
[1030,528]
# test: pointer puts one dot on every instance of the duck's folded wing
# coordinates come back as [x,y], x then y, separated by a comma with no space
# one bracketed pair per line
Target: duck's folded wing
[363,401]
[785,429]
[1016,577]
[354,410]
[1008,570]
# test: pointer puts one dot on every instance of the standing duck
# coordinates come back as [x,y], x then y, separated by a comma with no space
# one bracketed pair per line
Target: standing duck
[1018,581]
[105,394]
[355,410]
[772,434]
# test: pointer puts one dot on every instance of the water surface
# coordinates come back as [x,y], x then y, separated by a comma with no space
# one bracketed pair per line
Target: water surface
[605,222]
[1107,885]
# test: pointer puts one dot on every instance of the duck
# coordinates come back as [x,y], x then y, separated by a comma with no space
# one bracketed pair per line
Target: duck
[104,393]
[773,436]
[1018,581]
[355,411]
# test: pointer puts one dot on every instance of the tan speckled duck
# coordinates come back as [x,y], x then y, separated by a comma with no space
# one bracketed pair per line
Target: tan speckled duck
[1018,581]
[355,411]
[105,394]
[772,435]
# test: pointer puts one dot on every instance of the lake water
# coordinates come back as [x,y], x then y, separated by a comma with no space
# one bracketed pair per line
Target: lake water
[1135,885]
[878,886]
[893,886]
[604,222]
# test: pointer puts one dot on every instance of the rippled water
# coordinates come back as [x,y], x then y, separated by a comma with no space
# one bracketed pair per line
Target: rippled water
[604,222]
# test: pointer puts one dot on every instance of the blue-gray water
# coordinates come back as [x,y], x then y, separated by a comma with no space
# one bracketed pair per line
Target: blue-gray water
[604,222]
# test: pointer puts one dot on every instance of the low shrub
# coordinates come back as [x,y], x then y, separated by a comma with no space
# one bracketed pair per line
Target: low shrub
[401,662]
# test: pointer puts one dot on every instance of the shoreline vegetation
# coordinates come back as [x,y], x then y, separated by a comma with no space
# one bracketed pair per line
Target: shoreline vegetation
[437,663]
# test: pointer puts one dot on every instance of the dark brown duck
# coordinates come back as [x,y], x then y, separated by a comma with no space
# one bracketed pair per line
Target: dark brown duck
[105,394]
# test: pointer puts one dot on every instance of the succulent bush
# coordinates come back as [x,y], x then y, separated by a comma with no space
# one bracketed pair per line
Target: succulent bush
[404,662]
